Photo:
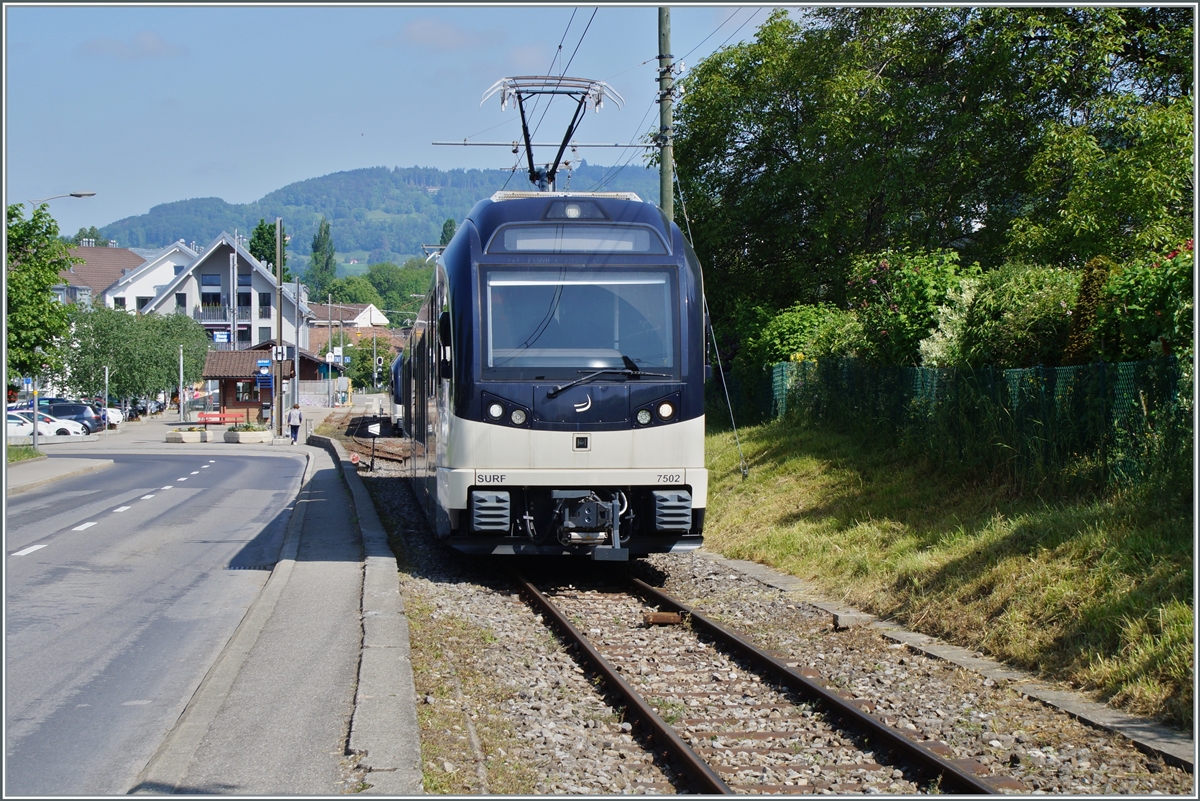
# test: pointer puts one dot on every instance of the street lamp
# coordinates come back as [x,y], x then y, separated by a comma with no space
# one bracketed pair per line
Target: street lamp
[54,197]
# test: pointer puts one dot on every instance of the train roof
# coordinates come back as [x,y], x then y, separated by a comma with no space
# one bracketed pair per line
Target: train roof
[516,206]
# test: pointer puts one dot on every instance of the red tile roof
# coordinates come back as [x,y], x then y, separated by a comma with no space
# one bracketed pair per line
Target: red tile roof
[102,267]
[343,312]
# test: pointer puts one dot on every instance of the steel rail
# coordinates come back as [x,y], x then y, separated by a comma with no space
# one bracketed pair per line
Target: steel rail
[661,732]
[959,780]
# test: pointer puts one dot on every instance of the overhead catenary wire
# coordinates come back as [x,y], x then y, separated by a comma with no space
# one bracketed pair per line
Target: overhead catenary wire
[615,171]
[742,466]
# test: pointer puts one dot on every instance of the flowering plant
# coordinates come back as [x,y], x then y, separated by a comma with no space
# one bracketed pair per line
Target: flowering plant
[895,295]
[1146,308]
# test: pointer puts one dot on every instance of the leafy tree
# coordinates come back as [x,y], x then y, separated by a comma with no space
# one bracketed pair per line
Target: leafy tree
[355,289]
[36,320]
[1118,185]
[262,245]
[87,233]
[141,352]
[322,269]
[448,229]
[852,130]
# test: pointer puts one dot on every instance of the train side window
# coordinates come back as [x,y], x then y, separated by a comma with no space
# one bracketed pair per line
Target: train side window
[444,345]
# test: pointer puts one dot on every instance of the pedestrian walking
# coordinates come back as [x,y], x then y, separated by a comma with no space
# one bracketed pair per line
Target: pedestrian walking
[294,418]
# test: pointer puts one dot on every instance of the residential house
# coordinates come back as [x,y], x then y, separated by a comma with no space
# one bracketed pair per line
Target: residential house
[101,268]
[354,324]
[137,288]
[234,297]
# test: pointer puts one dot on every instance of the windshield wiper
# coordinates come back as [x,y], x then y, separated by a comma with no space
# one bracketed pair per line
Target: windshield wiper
[625,371]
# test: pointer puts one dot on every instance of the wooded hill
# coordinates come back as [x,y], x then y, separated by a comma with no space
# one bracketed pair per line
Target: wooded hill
[376,213]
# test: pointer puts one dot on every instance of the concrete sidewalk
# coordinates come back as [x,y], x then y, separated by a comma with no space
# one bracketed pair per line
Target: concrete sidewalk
[320,659]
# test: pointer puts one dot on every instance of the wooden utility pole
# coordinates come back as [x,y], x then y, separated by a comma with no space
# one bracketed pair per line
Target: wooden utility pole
[666,83]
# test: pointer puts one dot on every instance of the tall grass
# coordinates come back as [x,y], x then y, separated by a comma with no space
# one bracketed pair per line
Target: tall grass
[1096,591]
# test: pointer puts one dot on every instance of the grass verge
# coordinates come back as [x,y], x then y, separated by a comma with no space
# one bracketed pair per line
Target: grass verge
[447,676]
[19,453]
[1093,592]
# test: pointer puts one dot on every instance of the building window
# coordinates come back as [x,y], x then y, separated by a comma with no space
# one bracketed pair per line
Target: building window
[264,305]
[213,279]
[181,300]
[264,333]
[118,303]
[178,268]
[141,303]
[244,335]
[246,391]
[243,279]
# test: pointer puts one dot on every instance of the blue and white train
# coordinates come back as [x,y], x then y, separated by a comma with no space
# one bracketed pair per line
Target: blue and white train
[553,382]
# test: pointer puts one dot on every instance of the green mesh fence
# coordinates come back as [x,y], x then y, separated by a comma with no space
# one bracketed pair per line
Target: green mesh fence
[1092,424]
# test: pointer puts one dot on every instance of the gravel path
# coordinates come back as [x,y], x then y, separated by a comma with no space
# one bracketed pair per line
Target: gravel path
[531,709]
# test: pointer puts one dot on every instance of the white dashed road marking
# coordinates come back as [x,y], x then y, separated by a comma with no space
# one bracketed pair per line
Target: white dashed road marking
[203,467]
[168,486]
[30,549]
[122,509]
[182,479]
[85,525]
[195,472]
[146,497]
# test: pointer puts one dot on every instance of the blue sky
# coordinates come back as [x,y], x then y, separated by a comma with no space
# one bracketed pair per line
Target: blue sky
[146,105]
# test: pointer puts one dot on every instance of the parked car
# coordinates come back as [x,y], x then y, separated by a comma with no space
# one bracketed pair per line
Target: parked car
[80,412]
[57,425]
[112,415]
[18,426]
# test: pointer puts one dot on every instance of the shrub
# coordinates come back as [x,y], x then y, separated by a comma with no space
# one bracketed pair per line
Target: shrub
[895,295]
[943,348]
[802,331]
[1146,308]
[1081,347]
[1020,317]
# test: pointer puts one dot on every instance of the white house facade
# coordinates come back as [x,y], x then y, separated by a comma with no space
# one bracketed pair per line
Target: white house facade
[233,296]
[138,288]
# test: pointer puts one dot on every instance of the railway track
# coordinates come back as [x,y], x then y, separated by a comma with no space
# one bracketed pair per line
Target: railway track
[387,447]
[737,719]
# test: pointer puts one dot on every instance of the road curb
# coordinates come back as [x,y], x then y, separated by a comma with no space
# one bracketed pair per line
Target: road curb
[1149,736]
[383,728]
[100,464]
[169,764]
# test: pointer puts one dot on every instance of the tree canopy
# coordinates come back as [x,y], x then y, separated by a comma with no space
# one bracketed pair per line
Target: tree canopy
[1055,133]
[141,352]
[36,319]
[262,245]
[322,269]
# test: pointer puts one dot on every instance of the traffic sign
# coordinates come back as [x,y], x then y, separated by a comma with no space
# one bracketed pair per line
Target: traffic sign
[373,429]
[28,381]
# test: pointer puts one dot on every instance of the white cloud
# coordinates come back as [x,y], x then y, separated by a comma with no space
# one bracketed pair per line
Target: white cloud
[143,45]
[435,34]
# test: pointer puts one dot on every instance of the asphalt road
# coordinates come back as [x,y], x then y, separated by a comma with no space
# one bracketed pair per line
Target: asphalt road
[122,587]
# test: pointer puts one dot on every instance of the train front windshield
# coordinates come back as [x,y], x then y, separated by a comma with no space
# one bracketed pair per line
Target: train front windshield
[553,323]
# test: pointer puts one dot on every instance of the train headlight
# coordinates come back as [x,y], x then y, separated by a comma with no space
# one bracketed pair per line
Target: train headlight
[573,211]
[666,410]
[495,411]
[517,417]
[643,417]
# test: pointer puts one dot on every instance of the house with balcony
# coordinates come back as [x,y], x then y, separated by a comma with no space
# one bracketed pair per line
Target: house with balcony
[233,296]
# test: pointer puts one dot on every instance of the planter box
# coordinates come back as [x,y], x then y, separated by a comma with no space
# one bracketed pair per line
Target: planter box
[248,436]
[187,436]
